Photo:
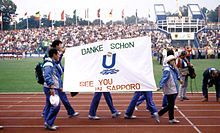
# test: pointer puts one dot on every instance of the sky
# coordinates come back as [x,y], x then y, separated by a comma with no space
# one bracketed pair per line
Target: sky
[144,7]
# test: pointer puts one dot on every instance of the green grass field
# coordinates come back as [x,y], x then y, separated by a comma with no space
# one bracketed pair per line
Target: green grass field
[19,76]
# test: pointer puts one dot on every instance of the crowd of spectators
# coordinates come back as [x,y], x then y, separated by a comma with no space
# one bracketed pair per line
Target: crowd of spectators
[36,40]
[209,38]
[20,43]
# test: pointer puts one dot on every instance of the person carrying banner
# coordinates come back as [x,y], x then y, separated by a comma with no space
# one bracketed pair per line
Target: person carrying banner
[211,76]
[95,103]
[57,44]
[149,103]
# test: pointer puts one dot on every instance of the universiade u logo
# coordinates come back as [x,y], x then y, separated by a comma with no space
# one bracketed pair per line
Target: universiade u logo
[104,61]
[109,68]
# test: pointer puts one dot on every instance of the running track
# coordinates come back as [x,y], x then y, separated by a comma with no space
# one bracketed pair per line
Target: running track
[20,113]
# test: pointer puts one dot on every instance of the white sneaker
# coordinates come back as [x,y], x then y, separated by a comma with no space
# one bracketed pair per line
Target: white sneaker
[74,115]
[129,117]
[52,128]
[173,121]
[94,117]
[175,107]
[156,117]
[116,114]
[136,108]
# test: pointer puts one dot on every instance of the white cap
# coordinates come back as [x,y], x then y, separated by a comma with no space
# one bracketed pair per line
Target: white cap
[170,57]
[54,100]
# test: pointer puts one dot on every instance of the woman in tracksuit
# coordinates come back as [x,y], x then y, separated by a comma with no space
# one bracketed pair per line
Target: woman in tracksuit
[52,83]
[169,84]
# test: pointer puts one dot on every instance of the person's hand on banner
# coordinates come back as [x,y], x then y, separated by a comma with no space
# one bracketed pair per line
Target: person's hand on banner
[158,89]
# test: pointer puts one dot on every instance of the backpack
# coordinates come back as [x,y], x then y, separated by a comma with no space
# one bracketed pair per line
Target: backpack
[192,73]
[39,73]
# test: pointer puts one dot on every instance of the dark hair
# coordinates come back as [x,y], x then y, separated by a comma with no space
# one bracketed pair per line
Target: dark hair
[183,53]
[55,43]
[170,52]
[52,52]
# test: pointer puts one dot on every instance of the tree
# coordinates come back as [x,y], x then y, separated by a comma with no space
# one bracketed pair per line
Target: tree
[7,8]
[130,20]
[184,10]
[212,16]
[204,10]
[97,22]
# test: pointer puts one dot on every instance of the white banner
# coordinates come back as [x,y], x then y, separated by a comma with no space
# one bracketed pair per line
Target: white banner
[109,66]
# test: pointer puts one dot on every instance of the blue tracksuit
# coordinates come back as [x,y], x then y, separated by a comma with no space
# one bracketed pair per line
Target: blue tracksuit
[149,102]
[62,95]
[50,111]
[95,102]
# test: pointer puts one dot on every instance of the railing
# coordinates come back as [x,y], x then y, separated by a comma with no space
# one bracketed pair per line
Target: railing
[196,40]
[181,23]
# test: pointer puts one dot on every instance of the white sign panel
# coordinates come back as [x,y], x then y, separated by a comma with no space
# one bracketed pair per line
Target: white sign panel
[182,36]
[110,66]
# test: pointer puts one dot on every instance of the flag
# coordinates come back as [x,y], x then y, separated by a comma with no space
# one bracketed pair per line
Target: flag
[0,17]
[98,13]
[110,13]
[62,15]
[122,14]
[178,9]
[180,14]
[136,14]
[25,14]
[49,16]
[148,13]
[37,16]
[26,17]
[87,13]
[74,13]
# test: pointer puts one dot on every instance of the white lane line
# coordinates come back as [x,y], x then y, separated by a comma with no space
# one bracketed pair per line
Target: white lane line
[104,126]
[37,110]
[142,107]
[118,101]
[102,117]
[96,126]
[19,101]
[9,106]
[103,104]
[28,98]
[194,126]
